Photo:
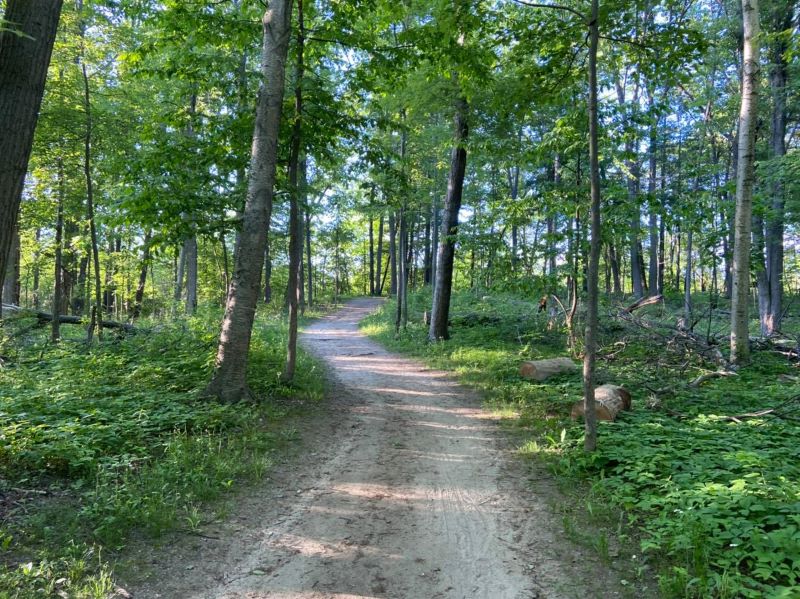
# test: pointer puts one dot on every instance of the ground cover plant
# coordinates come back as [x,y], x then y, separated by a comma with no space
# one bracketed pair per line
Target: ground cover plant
[98,442]
[712,502]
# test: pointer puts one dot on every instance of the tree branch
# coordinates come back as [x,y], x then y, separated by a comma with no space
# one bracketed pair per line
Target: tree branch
[554,7]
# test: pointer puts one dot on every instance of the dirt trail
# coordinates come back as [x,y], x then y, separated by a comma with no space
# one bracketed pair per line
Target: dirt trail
[407,492]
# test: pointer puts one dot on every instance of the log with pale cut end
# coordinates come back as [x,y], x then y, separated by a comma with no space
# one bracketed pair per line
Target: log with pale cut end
[539,370]
[609,401]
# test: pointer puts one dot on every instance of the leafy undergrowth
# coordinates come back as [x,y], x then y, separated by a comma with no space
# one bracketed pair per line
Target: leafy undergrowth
[713,503]
[98,442]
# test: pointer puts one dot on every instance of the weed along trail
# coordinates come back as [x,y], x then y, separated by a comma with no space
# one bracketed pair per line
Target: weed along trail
[408,492]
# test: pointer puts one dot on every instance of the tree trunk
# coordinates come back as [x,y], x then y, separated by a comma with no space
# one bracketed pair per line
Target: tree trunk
[11,284]
[37,256]
[782,16]
[87,169]
[190,260]
[590,340]
[440,309]
[426,255]
[401,270]
[139,297]
[228,381]
[633,182]
[180,268]
[687,281]
[58,272]
[392,254]
[25,48]
[309,264]
[748,116]
[379,259]
[267,271]
[296,193]
[371,255]
[653,216]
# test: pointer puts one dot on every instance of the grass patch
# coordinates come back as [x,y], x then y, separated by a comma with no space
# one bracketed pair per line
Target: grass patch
[100,442]
[714,505]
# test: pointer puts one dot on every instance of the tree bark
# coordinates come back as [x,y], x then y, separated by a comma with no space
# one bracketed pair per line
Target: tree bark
[87,170]
[748,115]
[296,191]
[11,284]
[58,272]
[309,264]
[653,212]
[228,382]
[440,309]
[590,339]
[25,49]
[139,297]
[392,254]
[190,261]
[782,17]
[379,259]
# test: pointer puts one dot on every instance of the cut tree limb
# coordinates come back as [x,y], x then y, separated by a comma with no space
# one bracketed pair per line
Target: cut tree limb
[610,400]
[539,370]
[645,301]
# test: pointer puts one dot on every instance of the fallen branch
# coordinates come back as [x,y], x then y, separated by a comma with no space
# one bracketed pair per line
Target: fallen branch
[710,375]
[43,317]
[642,302]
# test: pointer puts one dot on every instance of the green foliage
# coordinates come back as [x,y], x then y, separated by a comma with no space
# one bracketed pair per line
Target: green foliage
[118,438]
[714,503]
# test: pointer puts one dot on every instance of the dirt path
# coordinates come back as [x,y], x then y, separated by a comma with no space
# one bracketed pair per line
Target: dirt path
[406,492]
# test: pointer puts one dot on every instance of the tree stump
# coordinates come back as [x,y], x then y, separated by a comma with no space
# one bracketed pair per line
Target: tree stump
[539,370]
[609,400]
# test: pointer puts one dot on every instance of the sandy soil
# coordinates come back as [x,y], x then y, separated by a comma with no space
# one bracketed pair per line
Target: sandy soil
[404,489]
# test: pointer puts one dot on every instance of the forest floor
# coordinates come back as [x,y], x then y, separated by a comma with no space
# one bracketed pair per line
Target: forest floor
[403,487]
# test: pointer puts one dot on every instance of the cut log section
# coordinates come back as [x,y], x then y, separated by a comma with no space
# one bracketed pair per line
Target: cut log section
[539,370]
[609,401]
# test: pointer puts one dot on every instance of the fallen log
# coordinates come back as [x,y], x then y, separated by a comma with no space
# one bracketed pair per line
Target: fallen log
[43,317]
[645,301]
[609,400]
[539,370]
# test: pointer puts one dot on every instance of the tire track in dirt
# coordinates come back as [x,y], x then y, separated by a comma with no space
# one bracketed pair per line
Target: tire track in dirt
[415,497]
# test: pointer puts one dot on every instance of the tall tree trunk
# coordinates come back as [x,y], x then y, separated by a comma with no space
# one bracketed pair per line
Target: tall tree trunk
[25,49]
[392,254]
[435,224]
[190,260]
[296,200]
[11,284]
[440,309]
[267,271]
[379,259]
[87,170]
[513,182]
[140,287]
[687,281]
[633,183]
[782,17]
[590,339]
[748,115]
[309,264]
[653,204]
[58,273]
[401,269]
[228,381]
[180,269]
[371,255]
[37,256]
